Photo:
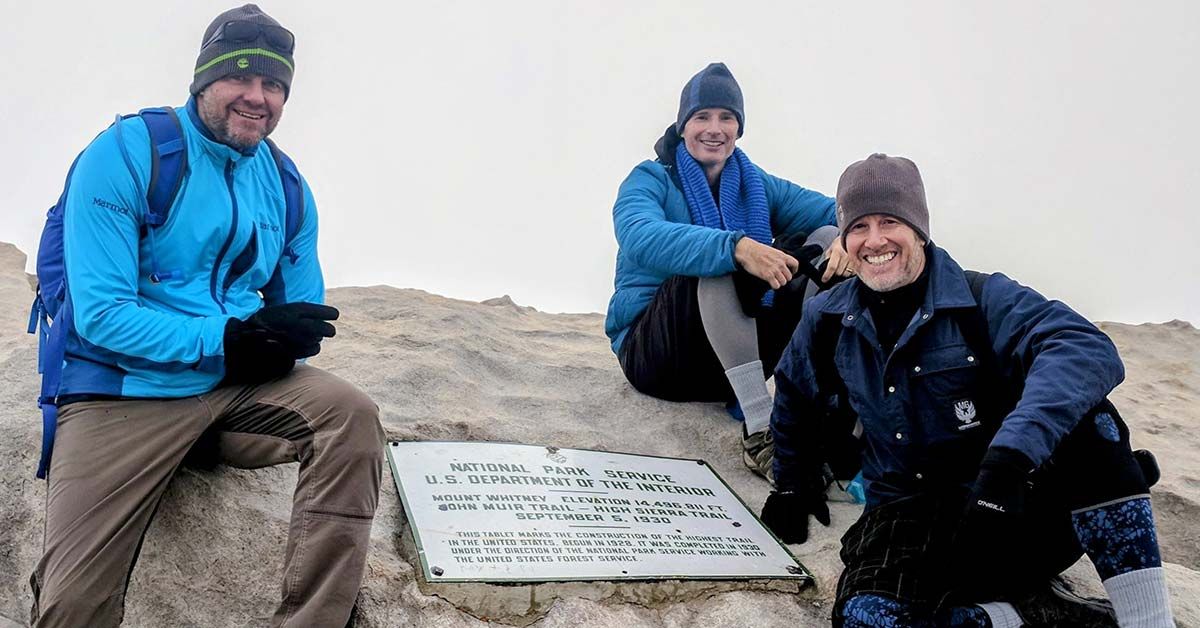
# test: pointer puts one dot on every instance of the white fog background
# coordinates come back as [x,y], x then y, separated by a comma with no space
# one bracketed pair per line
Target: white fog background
[474,148]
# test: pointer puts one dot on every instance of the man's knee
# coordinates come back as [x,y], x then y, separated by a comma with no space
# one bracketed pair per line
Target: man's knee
[359,419]
[356,426]
[1094,464]
[824,236]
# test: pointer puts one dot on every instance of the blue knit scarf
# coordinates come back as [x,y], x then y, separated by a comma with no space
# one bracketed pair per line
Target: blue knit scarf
[743,198]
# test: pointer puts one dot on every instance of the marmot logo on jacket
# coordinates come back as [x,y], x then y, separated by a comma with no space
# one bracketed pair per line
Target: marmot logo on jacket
[99,202]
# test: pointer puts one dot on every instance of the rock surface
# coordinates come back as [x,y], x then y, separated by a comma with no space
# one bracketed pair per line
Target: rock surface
[443,369]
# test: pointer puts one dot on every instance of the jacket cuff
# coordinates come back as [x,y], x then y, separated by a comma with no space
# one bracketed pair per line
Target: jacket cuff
[212,339]
[733,242]
[1007,458]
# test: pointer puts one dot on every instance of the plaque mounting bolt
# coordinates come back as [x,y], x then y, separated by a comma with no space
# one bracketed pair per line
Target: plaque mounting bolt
[792,569]
[437,571]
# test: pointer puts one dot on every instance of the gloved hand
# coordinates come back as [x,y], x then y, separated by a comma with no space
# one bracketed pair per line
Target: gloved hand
[786,513]
[254,355]
[995,502]
[266,345]
[301,326]
[1000,487]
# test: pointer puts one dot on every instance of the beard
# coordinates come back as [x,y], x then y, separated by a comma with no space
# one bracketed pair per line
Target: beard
[914,264]
[217,119]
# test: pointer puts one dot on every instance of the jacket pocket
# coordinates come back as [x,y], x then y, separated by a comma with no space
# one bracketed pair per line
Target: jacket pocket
[945,386]
[242,263]
[946,371]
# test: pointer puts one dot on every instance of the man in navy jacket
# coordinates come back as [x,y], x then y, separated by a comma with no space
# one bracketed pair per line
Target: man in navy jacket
[990,456]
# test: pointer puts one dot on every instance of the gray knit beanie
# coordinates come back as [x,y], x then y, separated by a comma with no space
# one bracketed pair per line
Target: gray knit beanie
[254,44]
[713,86]
[882,185]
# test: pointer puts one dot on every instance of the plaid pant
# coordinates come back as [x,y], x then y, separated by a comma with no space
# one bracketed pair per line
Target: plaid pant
[905,549]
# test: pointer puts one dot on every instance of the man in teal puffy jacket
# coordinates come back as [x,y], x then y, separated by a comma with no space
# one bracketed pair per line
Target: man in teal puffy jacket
[195,328]
[705,298]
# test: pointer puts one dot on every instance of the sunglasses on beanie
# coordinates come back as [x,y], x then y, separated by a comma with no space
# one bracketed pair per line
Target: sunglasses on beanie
[241,31]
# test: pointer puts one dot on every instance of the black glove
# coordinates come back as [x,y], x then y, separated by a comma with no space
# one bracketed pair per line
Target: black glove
[794,244]
[995,502]
[254,355]
[266,345]
[750,289]
[999,489]
[786,513]
[301,326]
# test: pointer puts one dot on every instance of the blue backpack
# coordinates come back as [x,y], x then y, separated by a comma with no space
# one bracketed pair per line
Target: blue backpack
[50,316]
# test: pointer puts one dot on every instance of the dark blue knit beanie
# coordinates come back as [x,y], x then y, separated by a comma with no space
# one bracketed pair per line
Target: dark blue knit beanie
[713,86]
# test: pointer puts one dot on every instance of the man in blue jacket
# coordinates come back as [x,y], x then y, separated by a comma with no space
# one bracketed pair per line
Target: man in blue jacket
[195,328]
[990,456]
[704,297]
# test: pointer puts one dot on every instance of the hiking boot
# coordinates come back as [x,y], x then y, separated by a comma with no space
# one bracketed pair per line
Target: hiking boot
[1057,605]
[758,453]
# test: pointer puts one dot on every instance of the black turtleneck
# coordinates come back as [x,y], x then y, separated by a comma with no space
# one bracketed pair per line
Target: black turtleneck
[892,311]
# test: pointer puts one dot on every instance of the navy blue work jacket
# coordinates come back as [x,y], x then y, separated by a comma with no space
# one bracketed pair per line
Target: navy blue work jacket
[931,407]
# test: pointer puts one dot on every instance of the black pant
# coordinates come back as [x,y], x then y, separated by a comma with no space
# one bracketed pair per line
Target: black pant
[906,549]
[667,354]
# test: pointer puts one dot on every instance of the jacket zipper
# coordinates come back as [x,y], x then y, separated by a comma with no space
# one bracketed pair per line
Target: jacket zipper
[233,223]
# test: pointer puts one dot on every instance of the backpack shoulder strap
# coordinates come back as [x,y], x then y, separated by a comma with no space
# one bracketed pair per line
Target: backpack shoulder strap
[168,161]
[293,197]
[972,323]
[975,281]
[974,327]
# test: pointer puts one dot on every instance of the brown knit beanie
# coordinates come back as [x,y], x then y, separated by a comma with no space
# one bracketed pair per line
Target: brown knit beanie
[882,185]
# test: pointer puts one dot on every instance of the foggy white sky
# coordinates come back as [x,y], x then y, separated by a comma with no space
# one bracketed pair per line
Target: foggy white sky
[474,149]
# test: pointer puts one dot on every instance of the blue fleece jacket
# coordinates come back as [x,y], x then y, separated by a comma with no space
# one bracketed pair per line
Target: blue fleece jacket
[656,238]
[219,249]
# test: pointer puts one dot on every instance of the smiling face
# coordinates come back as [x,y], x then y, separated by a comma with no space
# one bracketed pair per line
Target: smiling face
[241,110]
[709,136]
[887,253]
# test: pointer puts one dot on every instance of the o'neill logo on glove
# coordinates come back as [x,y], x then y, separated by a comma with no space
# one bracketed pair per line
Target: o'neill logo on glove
[965,411]
[991,506]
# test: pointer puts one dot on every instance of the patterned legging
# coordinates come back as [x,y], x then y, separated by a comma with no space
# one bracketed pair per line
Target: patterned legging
[1118,537]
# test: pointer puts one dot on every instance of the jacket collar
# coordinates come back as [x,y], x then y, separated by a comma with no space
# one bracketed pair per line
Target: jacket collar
[947,289]
[220,152]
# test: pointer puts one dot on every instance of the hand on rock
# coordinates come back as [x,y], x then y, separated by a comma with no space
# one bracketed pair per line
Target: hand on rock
[786,514]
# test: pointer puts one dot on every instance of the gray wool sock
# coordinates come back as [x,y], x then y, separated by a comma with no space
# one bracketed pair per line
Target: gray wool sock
[1002,615]
[751,391]
[1140,598]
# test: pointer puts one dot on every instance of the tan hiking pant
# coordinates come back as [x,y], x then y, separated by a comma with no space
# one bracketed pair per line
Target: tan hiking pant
[113,460]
